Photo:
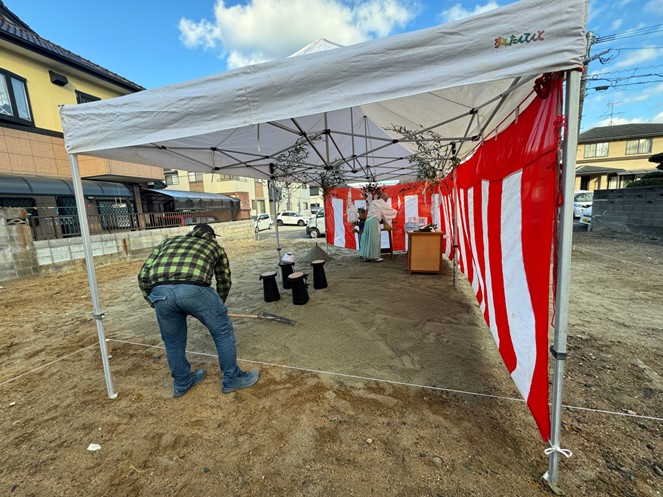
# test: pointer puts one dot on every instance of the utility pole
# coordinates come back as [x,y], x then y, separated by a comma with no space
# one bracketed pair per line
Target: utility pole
[591,39]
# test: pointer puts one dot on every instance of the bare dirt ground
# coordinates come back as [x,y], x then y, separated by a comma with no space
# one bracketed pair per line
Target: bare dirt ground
[302,431]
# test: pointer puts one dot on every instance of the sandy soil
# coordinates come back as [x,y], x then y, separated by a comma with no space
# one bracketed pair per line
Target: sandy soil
[302,431]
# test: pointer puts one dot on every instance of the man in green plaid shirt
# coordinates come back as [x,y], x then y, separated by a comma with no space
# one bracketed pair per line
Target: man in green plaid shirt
[176,281]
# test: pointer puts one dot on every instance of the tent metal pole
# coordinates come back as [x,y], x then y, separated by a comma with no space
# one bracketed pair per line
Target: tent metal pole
[276,224]
[454,207]
[564,236]
[91,273]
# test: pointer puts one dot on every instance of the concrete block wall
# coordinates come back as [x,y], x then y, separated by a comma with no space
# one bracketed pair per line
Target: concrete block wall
[632,210]
[21,256]
[18,258]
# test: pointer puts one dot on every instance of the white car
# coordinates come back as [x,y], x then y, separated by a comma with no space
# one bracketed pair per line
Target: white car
[586,216]
[262,222]
[316,224]
[290,217]
[581,200]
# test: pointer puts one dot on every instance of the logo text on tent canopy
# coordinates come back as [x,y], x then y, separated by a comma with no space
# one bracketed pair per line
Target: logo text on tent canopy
[515,39]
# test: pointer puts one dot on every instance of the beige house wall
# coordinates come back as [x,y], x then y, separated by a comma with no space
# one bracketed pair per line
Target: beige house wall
[616,159]
[45,97]
[40,151]
[33,154]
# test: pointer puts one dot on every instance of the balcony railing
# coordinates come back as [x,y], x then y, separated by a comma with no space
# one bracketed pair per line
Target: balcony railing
[65,226]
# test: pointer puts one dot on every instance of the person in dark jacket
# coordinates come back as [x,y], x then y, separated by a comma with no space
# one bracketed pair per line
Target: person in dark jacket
[176,281]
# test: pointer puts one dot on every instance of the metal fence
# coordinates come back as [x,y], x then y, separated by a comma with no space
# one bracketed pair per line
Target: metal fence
[65,226]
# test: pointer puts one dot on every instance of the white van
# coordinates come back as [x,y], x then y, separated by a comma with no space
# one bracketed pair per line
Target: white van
[316,224]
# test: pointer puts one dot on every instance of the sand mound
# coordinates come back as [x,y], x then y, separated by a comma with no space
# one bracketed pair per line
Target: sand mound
[316,253]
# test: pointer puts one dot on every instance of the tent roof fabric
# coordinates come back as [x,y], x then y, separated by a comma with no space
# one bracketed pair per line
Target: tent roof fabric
[460,79]
[35,185]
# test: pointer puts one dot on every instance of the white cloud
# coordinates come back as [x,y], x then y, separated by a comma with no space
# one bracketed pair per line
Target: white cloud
[616,24]
[658,118]
[638,56]
[269,29]
[595,9]
[458,12]
[644,95]
[654,6]
[614,121]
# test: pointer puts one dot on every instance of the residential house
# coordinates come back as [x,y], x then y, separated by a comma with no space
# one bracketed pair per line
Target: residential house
[36,76]
[611,157]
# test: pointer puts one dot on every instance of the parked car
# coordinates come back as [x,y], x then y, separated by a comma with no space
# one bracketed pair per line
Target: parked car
[586,216]
[262,222]
[290,217]
[316,224]
[581,200]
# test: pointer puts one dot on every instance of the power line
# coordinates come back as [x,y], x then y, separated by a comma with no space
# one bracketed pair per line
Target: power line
[630,33]
[623,85]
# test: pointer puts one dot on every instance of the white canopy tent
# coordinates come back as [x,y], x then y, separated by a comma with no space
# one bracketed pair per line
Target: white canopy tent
[461,80]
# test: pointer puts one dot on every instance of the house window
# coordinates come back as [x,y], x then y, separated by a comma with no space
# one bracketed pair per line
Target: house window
[82,98]
[625,180]
[193,177]
[641,146]
[314,191]
[224,177]
[172,179]
[596,150]
[14,102]
[612,181]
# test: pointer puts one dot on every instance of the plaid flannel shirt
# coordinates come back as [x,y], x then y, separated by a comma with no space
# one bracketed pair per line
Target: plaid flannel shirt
[190,259]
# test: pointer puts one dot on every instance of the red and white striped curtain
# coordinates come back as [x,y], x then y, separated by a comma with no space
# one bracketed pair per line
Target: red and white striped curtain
[504,199]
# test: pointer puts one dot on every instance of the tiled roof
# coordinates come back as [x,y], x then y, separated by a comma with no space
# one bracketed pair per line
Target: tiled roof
[621,132]
[16,31]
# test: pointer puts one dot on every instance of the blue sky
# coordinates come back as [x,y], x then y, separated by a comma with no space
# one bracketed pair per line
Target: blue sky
[155,43]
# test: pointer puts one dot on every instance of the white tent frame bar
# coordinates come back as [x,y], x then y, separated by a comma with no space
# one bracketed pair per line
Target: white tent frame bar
[564,237]
[329,138]
[91,272]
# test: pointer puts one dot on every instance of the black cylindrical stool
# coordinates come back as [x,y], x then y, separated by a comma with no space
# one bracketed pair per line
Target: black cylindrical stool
[269,286]
[299,291]
[286,270]
[319,278]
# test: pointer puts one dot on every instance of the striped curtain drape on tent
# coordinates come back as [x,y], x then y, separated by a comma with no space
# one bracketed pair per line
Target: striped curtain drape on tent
[504,202]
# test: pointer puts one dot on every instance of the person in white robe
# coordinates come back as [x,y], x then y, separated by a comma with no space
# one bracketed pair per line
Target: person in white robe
[378,212]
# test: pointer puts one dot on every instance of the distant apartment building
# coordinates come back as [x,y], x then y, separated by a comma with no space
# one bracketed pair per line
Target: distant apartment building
[611,157]
[253,194]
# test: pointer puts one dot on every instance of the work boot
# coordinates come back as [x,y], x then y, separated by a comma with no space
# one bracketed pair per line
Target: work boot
[196,378]
[245,379]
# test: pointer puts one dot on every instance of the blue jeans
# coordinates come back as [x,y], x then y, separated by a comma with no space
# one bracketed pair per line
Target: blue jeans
[173,303]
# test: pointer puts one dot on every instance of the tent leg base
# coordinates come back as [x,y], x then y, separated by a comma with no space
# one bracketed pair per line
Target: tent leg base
[550,486]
